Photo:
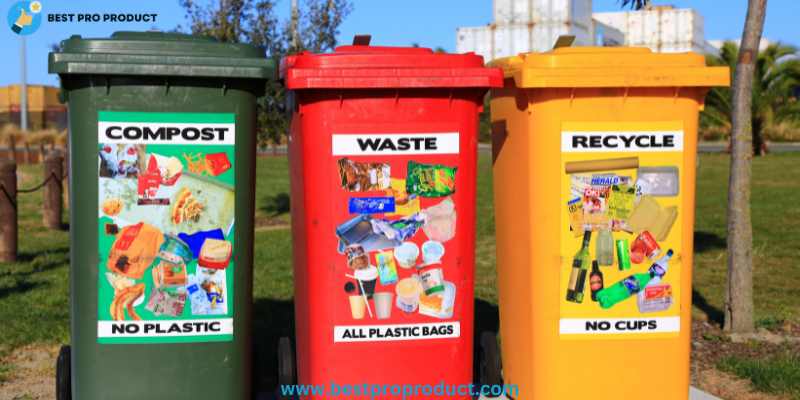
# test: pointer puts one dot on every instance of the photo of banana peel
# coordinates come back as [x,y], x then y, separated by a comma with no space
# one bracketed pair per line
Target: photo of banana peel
[123,300]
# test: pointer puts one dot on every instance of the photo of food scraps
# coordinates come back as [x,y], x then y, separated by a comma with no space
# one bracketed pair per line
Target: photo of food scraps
[394,241]
[166,221]
[623,212]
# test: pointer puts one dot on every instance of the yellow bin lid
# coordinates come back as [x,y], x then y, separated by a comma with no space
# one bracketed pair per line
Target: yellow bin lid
[597,67]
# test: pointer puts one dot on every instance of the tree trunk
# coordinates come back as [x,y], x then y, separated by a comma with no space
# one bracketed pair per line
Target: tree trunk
[739,296]
[53,199]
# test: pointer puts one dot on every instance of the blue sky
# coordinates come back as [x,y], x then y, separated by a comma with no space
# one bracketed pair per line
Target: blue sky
[430,23]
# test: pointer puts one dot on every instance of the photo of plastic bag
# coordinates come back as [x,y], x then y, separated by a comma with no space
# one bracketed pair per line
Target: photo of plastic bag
[440,221]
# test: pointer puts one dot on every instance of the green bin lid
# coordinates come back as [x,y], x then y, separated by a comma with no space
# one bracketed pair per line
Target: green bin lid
[160,54]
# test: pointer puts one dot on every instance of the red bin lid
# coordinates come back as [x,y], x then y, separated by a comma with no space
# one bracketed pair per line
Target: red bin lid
[366,67]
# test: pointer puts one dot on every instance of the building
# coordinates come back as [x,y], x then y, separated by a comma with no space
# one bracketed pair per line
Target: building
[45,111]
[533,25]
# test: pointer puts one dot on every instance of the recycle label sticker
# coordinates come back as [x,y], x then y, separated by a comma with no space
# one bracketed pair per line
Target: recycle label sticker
[621,225]
[166,206]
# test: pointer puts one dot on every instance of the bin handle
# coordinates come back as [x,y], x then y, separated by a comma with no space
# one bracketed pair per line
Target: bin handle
[362,40]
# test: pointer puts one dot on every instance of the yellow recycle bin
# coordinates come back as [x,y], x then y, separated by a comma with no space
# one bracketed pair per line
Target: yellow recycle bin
[594,182]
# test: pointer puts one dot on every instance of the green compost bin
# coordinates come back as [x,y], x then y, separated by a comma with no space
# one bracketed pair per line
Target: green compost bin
[162,151]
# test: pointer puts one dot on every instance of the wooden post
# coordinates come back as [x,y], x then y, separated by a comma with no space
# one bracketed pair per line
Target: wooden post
[42,152]
[8,211]
[52,206]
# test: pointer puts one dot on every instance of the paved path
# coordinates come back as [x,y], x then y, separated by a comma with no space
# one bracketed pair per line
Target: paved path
[718,147]
[697,394]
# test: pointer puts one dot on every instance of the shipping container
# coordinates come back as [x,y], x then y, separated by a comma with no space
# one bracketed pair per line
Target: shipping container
[476,39]
[662,29]
[606,35]
[496,41]
[543,11]
[533,25]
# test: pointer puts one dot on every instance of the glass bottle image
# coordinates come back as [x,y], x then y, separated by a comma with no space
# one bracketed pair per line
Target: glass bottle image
[580,268]
[595,280]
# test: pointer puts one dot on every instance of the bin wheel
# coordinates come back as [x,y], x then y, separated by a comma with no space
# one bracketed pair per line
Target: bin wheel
[285,362]
[64,374]
[490,372]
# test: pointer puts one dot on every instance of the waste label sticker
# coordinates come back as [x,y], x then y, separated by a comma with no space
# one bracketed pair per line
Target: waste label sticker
[382,333]
[377,144]
[395,199]
[166,207]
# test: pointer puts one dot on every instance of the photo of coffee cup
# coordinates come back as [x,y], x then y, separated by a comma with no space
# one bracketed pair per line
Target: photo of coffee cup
[406,254]
[432,252]
[368,278]
[383,304]
[357,306]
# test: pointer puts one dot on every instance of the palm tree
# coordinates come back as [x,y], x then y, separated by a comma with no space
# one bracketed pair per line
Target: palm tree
[776,76]
[635,4]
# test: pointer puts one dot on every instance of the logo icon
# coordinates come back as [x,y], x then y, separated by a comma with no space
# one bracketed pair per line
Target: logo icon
[24,17]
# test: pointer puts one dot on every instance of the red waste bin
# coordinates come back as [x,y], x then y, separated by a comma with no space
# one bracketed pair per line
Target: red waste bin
[383,161]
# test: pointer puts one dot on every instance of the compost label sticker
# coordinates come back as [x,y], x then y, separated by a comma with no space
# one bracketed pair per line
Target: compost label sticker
[621,231]
[166,198]
[398,271]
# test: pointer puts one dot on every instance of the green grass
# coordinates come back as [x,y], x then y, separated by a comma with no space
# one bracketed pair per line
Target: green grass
[777,375]
[776,244]
[34,293]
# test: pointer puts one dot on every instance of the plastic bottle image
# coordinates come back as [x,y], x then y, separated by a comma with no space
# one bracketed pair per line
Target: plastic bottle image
[623,255]
[631,285]
[580,268]
[595,280]
[605,248]
[659,268]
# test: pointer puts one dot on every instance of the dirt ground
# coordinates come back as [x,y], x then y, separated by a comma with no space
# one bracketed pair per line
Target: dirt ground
[709,345]
[32,375]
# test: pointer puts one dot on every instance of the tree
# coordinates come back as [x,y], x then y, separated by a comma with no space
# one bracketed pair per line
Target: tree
[776,74]
[635,4]
[739,294]
[255,22]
